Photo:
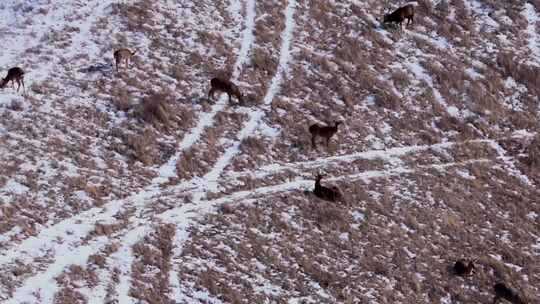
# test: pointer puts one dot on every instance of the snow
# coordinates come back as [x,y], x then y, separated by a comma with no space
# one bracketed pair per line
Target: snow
[536,247]
[533,40]
[181,216]
[415,67]
[64,243]
[358,216]
[207,119]
[72,230]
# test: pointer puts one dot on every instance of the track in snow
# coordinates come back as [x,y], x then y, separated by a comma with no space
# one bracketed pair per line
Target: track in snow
[73,251]
[74,229]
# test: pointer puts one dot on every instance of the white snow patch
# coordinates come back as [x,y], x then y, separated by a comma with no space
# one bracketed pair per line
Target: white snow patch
[533,41]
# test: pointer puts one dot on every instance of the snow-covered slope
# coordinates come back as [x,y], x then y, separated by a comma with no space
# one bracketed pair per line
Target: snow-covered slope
[133,186]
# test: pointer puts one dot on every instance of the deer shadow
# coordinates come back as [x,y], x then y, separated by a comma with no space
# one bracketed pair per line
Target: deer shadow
[101,67]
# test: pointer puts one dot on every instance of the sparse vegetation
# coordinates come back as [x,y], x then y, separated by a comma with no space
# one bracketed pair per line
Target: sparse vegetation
[133,184]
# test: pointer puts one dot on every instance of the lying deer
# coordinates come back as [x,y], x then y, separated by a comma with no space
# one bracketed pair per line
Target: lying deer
[399,15]
[15,74]
[508,293]
[329,194]
[323,131]
[123,55]
[224,85]
[462,268]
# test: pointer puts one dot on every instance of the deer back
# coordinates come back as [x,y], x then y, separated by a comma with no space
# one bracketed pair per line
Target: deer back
[314,129]
[400,14]
[222,85]
[508,293]
[461,267]
[325,193]
[122,53]
[14,73]
[328,131]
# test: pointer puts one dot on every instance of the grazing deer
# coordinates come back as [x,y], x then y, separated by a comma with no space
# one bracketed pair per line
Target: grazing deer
[324,132]
[123,55]
[329,194]
[462,268]
[508,293]
[402,13]
[14,74]
[224,85]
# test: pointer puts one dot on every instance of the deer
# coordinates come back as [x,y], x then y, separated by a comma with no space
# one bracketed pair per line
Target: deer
[326,132]
[508,293]
[224,85]
[15,74]
[462,268]
[328,194]
[400,14]
[123,55]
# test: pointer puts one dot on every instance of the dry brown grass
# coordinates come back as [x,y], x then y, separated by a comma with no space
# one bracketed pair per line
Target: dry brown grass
[533,153]
[155,109]
[143,147]
[395,223]
[187,164]
[155,254]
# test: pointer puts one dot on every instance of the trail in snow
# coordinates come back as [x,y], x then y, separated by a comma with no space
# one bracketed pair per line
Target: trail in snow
[533,41]
[416,68]
[209,181]
[168,170]
[302,184]
[387,155]
[72,230]
[140,225]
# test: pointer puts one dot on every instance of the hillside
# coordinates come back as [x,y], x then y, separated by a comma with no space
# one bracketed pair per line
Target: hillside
[132,186]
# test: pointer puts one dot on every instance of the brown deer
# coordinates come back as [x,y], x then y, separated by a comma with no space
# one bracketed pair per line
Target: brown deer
[399,15]
[224,85]
[323,131]
[15,74]
[462,268]
[508,293]
[328,194]
[123,55]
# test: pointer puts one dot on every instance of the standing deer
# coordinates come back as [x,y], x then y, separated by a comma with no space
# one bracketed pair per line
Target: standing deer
[399,15]
[329,194]
[508,293]
[225,85]
[123,55]
[15,74]
[462,268]
[323,131]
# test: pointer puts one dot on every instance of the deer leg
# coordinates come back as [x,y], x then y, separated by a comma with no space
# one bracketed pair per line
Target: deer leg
[313,144]
[327,142]
[18,85]
[229,97]
[211,93]
[24,88]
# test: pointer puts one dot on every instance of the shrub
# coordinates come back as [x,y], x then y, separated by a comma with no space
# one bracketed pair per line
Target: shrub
[533,152]
[154,109]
